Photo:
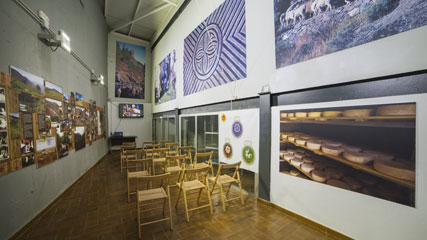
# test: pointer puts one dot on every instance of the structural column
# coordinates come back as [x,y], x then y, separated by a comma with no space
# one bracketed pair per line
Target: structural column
[264,146]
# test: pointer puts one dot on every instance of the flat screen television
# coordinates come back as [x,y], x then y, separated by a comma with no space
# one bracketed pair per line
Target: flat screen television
[131,110]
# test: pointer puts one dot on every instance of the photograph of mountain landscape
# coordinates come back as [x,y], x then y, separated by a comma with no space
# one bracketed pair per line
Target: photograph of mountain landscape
[79,138]
[80,116]
[54,109]
[15,126]
[63,141]
[166,80]
[26,82]
[28,103]
[130,71]
[53,91]
[307,29]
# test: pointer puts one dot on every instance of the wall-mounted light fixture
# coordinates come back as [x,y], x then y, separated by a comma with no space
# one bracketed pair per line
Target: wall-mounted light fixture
[96,80]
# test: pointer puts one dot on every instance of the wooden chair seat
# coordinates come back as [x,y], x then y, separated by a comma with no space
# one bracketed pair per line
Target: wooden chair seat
[151,194]
[138,174]
[191,185]
[201,165]
[223,179]
[159,160]
[173,169]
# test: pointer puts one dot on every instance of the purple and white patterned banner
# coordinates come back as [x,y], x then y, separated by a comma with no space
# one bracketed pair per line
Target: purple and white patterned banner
[215,52]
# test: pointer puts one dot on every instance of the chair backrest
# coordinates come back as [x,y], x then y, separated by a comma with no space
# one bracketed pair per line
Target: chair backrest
[172,161]
[188,173]
[144,144]
[131,154]
[235,175]
[156,152]
[164,142]
[203,157]
[187,150]
[163,178]
[128,143]
[140,164]
[172,146]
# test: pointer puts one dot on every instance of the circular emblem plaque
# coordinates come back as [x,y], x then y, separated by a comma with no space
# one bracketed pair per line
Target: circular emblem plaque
[228,150]
[248,154]
[237,129]
[207,52]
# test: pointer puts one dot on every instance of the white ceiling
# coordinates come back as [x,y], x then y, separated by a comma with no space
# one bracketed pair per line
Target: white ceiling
[150,16]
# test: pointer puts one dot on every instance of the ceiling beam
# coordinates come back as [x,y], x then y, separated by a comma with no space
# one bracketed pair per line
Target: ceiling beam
[153,11]
[134,16]
[171,2]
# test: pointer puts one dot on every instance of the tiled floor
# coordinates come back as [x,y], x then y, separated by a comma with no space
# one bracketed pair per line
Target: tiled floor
[96,207]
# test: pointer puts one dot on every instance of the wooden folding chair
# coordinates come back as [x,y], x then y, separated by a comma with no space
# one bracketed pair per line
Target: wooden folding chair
[190,185]
[172,149]
[187,150]
[123,149]
[203,160]
[222,179]
[135,169]
[164,142]
[174,165]
[151,196]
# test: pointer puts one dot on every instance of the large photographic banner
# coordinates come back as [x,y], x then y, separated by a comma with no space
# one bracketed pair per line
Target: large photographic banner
[165,83]
[352,145]
[239,138]
[307,29]
[130,71]
[215,52]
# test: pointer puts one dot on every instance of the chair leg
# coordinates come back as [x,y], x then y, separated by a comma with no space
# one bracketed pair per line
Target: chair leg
[177,199]
[170,209]
[139,216]
[241,194]
[200,194]
[128,190]
[222,197]
[186,206]
[209,199]
[228,191]
[164,206]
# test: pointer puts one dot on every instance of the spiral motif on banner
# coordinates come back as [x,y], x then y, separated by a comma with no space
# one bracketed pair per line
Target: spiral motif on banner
[207,52]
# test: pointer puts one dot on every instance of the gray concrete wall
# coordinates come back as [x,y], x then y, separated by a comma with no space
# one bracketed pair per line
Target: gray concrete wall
[26,192]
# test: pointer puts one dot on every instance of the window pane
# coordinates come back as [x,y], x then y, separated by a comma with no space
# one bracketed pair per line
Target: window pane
[158,129]
[188,131]
[207,135]
[164,129]
[171,131]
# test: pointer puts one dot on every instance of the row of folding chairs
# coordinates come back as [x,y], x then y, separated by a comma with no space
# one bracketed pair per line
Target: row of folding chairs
[181,171]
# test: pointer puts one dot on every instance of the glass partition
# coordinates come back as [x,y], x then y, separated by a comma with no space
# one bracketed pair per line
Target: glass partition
[188,131]
[207,135]
[171,129]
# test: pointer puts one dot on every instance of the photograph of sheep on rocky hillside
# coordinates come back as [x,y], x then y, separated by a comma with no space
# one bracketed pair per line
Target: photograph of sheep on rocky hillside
[306,29]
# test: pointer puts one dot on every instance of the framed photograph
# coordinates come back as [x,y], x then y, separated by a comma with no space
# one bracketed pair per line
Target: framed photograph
[45,144]
[27,146]
[63,142]
[2,109]
[2,95]
[3,124]
[54,109]
[28,103]
[3,138]
[53,91]
[23,81]
[15,126]
[27,160]
[4,152]
[79,138]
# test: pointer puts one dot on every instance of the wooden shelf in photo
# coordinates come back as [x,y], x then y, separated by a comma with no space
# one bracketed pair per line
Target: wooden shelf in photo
[372,121]
[366,168]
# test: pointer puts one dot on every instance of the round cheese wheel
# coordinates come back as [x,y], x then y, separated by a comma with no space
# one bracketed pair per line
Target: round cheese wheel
[283,115]
[291,138]
[299,155]
[338,183]
[302,140]
[352,182]
[358,157]
[314,145]
[307,167]
[314,114]
[282,153]
[396,169]
[332,113]
[297,162]
[331,150]
[332,143]
[319,165]
[308,160]
[348,148]
[294,173]
[291,114]
[380,155]
[319,176]
[288,156]
[397,110]
[300,114]
[333,173]
[293,151]
[357,113]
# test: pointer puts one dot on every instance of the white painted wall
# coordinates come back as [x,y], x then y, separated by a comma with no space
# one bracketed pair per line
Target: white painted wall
[356,215]
[140,127]
[400,53]
[26,192]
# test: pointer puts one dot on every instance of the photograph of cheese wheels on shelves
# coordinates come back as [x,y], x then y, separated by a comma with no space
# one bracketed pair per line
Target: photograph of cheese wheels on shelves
[368,149]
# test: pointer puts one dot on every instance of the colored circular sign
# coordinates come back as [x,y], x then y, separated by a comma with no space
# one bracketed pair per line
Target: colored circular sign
[223,117]
[237,129]
[248,154]
[228,150]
